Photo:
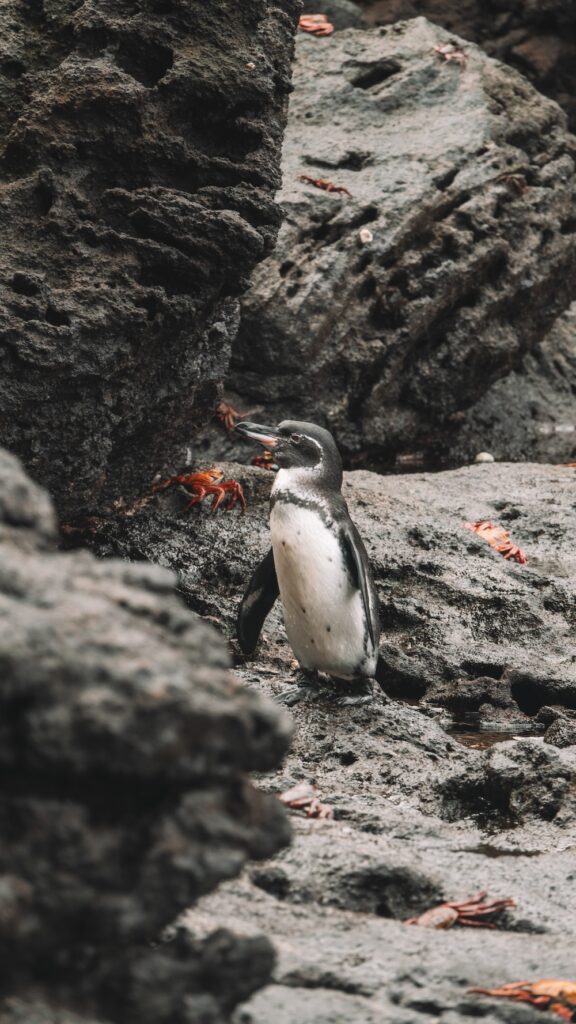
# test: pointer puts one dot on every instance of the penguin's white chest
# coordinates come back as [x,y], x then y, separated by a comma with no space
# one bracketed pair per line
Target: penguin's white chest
[323,612]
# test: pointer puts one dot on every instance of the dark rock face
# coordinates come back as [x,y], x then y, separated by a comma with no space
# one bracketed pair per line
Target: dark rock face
[536,36]
[388,313]
[124,746]
[140,153]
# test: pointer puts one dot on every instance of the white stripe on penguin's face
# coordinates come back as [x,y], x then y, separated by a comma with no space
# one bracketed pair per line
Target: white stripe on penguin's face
[303,474]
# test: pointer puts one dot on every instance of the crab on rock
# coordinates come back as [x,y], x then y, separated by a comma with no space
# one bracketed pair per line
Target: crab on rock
[473,911]
[554,994]
[209,481]
[227,415]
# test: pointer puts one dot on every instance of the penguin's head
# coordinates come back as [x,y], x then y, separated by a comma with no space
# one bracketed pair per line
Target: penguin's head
[297,445]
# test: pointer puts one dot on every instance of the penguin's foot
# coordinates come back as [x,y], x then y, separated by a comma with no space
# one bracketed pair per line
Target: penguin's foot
[308,688]
[355,692]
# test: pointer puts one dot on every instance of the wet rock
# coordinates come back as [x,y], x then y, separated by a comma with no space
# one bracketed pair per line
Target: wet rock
[139,160]
[561,726]
[124,746]
[464,176]
[562,733]
[465,695]
[515,780]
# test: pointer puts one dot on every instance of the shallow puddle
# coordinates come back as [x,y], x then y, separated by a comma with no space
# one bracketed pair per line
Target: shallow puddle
[471,731]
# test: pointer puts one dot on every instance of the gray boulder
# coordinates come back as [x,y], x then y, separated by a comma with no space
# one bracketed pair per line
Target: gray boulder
[387,313]
[536,36]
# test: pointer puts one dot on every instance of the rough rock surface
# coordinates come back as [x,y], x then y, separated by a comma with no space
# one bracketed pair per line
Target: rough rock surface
[422,814]
[536,36]
[138,162]
[453,609]
[530,414]
[388,313]
[125,741]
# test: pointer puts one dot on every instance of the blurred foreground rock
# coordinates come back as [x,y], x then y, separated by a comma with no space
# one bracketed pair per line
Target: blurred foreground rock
[125,742]
[139,158]
[387,313]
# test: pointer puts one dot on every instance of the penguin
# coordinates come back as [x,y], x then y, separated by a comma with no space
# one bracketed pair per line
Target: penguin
[317,564]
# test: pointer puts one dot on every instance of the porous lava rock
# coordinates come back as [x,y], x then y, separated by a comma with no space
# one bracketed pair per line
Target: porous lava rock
[387,313]
[536,36]
[138,164]
[125,743]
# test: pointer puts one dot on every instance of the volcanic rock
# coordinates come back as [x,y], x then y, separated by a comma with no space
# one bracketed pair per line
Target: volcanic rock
[536,36]
[138,164]
[386,313]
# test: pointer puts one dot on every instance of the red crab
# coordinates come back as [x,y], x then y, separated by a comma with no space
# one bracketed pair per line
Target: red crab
[209,481]
[499,539]
[451,54]
[553,994]
[471,912]
[264,461]
[325,184]
[227,415]
[304,797]
[316,24]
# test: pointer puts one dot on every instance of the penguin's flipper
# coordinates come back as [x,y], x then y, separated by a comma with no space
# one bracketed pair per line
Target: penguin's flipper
[357,564]
[258,599]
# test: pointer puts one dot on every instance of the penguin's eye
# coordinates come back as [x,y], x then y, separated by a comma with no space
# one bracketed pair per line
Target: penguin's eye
[296,438]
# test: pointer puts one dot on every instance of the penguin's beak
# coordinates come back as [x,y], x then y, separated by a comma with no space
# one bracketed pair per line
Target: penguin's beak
[267,436]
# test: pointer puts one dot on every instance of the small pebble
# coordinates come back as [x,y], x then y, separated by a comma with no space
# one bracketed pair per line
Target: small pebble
[365,236]
[250,66]
[484,457]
